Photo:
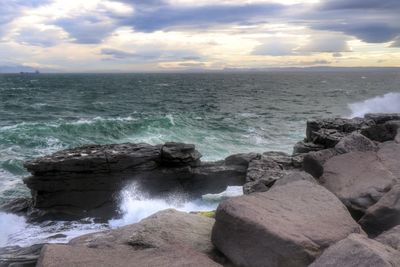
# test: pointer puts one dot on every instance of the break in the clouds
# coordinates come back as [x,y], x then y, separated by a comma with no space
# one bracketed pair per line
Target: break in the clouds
[158,35]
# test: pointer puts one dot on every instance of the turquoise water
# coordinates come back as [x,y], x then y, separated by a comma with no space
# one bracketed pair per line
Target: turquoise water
[220,113]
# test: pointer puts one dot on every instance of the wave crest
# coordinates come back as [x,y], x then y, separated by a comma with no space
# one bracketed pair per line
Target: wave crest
[388,103]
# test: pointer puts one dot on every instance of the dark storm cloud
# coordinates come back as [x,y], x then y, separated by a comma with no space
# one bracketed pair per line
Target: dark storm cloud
[161,17]
[359,4]
[87,29]
[372,21]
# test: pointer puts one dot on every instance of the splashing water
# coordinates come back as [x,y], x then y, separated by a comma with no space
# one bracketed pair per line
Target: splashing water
[136,206]
[388,103]
[9,224]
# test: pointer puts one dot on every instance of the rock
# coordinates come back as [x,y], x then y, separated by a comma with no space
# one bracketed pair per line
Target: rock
[20,256]
[287,226]
[355,142]
[284,160]
[313,162]
[357,250]
[97,159]
[305,147]
[383,215]
[17,205]
[242,159]
[86,181]
[380,133]
[256,186]
[390,238]
[297,161]
[264,168]
[179,154]
[380,118]
[389,155]
[167,238]
[359,179]
[261,174]
[294,176]
[316,131]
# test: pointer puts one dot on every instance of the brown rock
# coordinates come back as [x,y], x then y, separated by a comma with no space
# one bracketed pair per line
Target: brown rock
[383,215]
[167,238]
[359,179]
[356,251]
[287,226]
[390,238]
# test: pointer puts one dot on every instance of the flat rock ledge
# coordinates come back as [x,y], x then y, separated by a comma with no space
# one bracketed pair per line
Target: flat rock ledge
[167,238]
[86,181]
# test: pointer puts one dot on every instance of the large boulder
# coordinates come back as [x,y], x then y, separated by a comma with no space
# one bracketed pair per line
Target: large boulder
[383,215]
[355,142]
[294,176]
[390,237]
[289,225]
[389,155]
[359,179]
[305,147]
[313,162]
[167,238]
[357,250]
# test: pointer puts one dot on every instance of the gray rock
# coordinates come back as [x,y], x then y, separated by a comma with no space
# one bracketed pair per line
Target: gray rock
[287,226]
[167,238]
[179,154]
[256,186]
[389,155]
[355,142]
[357,250]
[390,237]
[359,179]
[380,118]
[313,162]
[20,256]
[383,215]
[284,160]
[97,159]
[242,159]
[261,174]
[305,147]
[86,181]
[337,126]
[294,176]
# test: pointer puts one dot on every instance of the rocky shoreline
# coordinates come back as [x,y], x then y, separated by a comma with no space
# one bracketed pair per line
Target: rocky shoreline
[334,202]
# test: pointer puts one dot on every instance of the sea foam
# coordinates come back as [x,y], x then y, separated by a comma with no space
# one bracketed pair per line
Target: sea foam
[388,103]
[136,206]
[10,224]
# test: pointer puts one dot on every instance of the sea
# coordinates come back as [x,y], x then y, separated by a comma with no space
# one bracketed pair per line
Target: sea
[221,113]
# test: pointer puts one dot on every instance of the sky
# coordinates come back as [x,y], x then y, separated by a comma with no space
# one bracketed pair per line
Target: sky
[165,35]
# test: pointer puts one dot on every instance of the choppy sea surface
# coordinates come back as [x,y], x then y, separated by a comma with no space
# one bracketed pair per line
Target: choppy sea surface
[221,113]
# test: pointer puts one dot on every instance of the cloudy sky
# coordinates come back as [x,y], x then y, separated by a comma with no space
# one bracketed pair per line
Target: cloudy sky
[158,35]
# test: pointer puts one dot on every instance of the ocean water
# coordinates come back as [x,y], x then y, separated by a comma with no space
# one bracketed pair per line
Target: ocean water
[221,113]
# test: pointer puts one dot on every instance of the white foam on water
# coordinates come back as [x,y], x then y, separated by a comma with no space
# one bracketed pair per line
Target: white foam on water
[10,224]
[231,191]
[135,206]
[388,103]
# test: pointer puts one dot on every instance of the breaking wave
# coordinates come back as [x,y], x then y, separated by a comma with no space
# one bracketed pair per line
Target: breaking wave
[388,103]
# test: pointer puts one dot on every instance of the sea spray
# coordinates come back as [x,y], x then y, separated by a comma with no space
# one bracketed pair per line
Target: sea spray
[10,224]
[388,103]
[134,205]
